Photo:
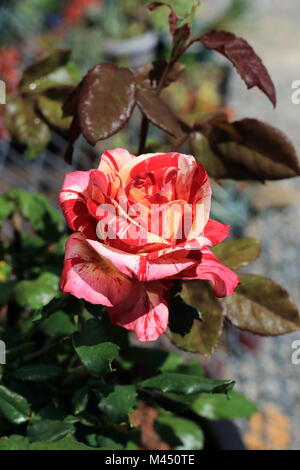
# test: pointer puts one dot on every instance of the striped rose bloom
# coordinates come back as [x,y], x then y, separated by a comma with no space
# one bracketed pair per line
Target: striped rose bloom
[140,223]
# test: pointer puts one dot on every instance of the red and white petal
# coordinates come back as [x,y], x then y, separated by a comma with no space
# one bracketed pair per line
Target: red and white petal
[149,317]
[113,160]
[72,200]
[223,279]
[143,267]
[147,163]
[216,232]
[89,276]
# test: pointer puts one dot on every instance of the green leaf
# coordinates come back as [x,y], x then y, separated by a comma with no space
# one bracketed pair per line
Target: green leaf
[52,112]
[231,406]
[49,430]
[237,253]
[7,291]
[158,112]
[58,324]
[191,368]
[187,384]
[151,360]
[262,306]
[38,373]
[36,209]
[80,400]
[14,442]
[37,293]
[118,404]
[93,349]
[30,206]
[43,67]
[19,351]
[6,208]
[13,407]
[106,102]
[200,334]
[203,153]
[26,126]
[55,71]
[67,443]
[179,433]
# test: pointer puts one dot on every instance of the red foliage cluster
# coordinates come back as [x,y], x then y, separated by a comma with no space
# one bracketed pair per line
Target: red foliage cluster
[10,60]
[75,10]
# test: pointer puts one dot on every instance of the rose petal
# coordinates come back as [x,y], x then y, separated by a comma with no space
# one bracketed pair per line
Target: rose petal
[113,160]
[149,317]
[72,200]
[144,267]
[216,231]
[89,276]
[224,280]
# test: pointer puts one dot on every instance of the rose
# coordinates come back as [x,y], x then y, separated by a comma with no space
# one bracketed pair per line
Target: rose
[114,260]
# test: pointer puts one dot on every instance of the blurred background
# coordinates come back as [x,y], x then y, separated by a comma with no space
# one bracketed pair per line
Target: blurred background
[124,32]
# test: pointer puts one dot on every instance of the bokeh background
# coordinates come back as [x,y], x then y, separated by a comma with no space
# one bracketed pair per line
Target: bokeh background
[124,32]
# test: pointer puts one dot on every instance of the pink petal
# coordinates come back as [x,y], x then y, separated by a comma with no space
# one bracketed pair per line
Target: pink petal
[216,232]
[144,267]
[223,279]
[149,317]
[89,276]
[72,199]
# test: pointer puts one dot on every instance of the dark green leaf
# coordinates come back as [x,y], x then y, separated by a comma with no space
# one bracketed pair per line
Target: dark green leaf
[49,430]
[106,102]
[6,291]
[38,373]
[13,407]
[95,352]
[187,384]
[118,404]
[237,253]
[151,360]
[67,443]
[80,400]
[262,306]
